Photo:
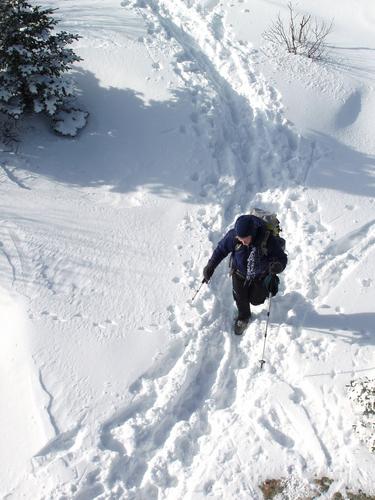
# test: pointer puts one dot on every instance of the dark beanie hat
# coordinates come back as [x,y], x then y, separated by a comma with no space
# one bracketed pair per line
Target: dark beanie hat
[245,226]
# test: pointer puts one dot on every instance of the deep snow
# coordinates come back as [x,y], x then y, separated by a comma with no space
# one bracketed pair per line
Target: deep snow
[115,385]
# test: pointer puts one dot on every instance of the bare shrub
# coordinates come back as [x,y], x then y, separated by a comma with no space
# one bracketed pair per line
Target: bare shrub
[301,33]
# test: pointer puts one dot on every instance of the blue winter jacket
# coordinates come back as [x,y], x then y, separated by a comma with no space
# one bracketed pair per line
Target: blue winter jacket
[250,261]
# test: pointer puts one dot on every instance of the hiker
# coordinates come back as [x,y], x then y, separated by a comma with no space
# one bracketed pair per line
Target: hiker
[257,256]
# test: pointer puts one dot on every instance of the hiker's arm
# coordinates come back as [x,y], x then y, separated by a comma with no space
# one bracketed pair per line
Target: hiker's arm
[223,248]
[276,256]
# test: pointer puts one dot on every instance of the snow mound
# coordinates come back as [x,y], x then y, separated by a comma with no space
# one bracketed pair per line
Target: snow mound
[362,395]
[22,433]
[69,122]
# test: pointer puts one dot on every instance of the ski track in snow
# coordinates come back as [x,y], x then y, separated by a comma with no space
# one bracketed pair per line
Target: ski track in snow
[11,248]
[164,442]
[13,178]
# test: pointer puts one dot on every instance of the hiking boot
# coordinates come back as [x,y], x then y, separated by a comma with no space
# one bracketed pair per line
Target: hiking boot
[240,326]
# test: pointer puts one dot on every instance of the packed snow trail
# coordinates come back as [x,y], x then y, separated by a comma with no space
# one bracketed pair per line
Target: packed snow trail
[203,420]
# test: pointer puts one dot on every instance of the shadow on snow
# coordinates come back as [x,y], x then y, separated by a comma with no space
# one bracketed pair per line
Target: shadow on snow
[127,144]
[354,328]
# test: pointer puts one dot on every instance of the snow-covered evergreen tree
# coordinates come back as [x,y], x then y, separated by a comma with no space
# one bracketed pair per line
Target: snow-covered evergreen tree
[33,59]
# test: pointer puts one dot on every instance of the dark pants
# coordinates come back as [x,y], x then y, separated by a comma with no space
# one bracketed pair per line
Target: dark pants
[254,294]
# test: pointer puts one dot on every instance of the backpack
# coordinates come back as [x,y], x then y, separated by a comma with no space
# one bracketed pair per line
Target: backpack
[272,225]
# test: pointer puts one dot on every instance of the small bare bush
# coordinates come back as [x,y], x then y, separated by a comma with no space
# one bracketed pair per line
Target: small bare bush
[301,33]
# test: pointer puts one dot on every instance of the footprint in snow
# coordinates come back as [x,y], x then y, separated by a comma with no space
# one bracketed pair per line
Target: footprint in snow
[297,396]
[294,196]
[207,487]
[175,327]
[98,325]
[110,322]
[349,111]
[366,283]
[312,206]
[52,316]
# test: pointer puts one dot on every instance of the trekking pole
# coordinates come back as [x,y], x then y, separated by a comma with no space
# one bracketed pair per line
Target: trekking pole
[262,361]
[197,291]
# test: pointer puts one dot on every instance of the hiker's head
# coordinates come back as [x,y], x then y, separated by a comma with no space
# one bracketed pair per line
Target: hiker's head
[245,229]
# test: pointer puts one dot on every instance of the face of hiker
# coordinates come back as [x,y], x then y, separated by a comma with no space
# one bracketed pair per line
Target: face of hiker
[246,240]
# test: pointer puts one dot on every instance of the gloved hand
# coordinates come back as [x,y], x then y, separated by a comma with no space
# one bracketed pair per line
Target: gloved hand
[271,284]
[275,268]
[208,271]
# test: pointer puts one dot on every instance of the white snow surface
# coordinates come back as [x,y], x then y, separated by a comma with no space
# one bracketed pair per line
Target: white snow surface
[114,385]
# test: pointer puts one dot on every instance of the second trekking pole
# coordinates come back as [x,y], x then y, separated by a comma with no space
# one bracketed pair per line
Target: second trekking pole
[262,361]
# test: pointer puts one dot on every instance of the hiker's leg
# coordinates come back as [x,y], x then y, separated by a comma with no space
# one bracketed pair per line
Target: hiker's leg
[257,292]
[241,297]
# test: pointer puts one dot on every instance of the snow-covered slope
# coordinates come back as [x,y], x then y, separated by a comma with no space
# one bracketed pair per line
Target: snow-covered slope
[137,392]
